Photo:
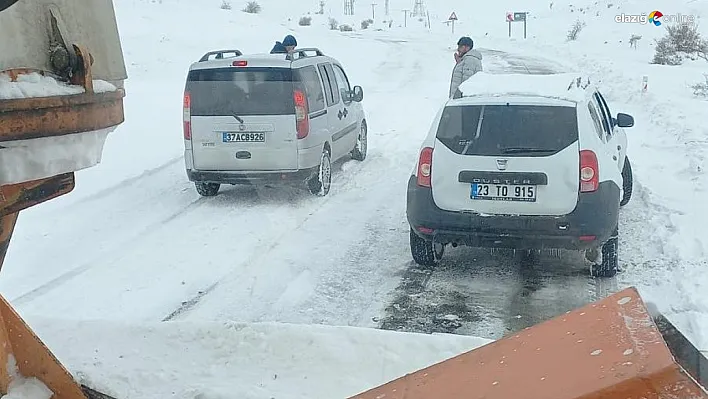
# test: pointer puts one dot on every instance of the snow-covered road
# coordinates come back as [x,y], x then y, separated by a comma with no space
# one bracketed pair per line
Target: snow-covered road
[151,249]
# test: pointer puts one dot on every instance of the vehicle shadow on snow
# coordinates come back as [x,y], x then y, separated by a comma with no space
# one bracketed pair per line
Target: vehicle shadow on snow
[491,293]
[294,194]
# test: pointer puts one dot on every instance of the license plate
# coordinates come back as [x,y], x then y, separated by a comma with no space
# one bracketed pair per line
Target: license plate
[243,137]
[503,192]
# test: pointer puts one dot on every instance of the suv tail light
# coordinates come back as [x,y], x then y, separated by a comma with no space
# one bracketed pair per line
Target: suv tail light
[425,165]
[302,114]
[589,172]
[187,116]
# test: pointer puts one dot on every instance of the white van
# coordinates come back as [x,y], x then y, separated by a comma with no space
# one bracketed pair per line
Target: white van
[271,118]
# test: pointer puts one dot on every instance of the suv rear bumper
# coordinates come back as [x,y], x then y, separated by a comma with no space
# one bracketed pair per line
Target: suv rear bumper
[251,178]
[590,224]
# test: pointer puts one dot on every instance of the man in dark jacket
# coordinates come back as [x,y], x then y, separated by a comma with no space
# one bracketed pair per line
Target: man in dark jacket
[287,46]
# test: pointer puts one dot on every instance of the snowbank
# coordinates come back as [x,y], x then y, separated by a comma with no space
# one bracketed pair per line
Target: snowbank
[248,361]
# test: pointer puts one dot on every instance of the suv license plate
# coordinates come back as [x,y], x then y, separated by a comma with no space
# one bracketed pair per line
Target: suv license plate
[503,192]
[243,137]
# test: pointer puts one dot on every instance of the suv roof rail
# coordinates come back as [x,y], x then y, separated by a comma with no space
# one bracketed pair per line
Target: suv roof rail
[302,53]
[220,54]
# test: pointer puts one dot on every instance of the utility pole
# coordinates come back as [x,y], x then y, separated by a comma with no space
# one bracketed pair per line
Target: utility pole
[373,11]
[388,10]
[405,18]
[418,8]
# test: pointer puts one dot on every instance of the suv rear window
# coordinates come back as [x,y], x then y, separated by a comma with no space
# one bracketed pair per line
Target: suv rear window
[508,130]
[242,91]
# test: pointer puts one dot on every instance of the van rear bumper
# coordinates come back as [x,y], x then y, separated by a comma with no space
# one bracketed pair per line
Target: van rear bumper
[589,225]
[252,177]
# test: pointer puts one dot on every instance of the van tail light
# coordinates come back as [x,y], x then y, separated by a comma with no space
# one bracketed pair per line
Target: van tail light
[187,116]
[302,114]
[589,172]
[425,165]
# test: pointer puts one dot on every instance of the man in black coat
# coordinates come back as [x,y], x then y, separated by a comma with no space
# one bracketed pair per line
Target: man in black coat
[286,46]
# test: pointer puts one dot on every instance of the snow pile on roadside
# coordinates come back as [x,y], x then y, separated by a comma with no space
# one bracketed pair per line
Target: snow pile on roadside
[235,360]
[24,388]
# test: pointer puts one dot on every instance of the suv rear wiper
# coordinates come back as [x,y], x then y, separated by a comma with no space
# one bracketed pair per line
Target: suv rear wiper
[238,118]
[515,150]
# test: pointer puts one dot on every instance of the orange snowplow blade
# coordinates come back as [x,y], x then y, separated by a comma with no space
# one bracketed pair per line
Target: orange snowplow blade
[609,349]
[31,357]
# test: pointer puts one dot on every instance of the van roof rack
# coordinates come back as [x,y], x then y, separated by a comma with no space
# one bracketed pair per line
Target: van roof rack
[219,54]
[302,53]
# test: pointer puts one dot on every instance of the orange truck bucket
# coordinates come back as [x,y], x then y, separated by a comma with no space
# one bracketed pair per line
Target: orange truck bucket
[612,348]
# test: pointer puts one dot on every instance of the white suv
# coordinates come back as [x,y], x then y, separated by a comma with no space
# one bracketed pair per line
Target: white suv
[525,162]
[270,119]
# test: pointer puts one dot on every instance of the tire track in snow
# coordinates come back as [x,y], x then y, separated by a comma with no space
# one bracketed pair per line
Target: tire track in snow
[50,242]
[57,282]
[146,174]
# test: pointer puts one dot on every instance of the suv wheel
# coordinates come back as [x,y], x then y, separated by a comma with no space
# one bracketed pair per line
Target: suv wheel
[321,183]
[608,264]
[626,182]
[207,189]
[425,253]
[359,151]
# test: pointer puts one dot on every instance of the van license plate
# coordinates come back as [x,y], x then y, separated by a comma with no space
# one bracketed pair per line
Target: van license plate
[243,137]
[503,192]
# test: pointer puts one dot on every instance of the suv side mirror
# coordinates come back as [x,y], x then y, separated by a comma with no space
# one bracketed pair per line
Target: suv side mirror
[625,120]
[357,94]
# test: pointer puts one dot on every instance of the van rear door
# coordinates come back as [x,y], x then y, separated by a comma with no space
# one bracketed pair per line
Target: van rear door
[243,119]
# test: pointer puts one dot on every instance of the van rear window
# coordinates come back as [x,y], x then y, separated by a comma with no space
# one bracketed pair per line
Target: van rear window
[508,130]
[241,91]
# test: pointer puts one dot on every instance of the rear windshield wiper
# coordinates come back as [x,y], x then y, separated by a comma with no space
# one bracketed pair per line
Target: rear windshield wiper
[516,150]
[238,118]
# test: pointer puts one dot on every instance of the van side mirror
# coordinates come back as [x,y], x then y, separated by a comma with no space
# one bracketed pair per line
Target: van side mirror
[625,120]
[357,94]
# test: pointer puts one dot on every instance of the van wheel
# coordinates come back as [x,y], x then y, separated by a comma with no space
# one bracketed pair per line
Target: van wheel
[207,189]
[626,182]
[425,253]
[608,265]
[359,151]
[321,183]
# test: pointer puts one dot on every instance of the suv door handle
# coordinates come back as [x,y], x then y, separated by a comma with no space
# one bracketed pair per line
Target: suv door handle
[346,112]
